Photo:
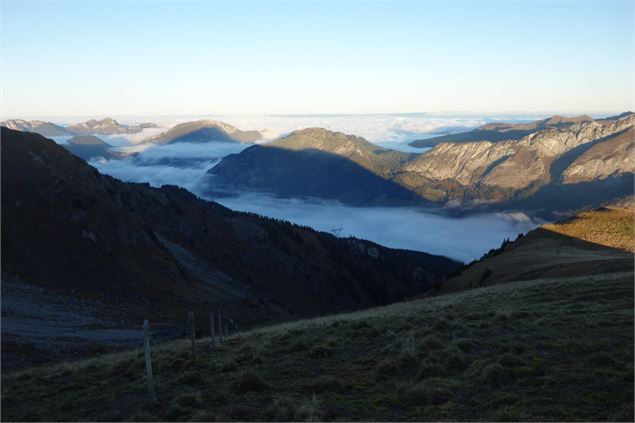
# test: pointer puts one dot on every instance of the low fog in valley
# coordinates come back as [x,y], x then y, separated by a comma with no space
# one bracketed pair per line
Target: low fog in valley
[185,164]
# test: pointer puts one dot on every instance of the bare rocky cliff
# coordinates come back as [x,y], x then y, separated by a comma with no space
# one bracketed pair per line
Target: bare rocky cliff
[615,156]
[510,164]
[553,152]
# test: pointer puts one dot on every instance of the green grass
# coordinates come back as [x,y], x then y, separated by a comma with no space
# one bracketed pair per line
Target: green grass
[541,350]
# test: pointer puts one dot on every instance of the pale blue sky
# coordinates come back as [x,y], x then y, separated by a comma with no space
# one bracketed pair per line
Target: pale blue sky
[163,58]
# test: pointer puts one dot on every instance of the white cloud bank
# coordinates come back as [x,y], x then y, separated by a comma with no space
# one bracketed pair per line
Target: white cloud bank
[464,238]
[387,130]
[185,165]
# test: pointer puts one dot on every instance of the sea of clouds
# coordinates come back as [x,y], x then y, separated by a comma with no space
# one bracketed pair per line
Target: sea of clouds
[186,165]
[387,130]
[182,164]
[464,238]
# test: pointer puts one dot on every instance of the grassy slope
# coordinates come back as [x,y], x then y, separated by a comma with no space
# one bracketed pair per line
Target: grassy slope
[611,226]
[575,247]
[559,349]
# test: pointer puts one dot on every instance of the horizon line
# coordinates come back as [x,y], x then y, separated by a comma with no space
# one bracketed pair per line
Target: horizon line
[317,114]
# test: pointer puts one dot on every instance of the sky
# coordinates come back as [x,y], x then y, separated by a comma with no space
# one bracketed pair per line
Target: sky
[151,58]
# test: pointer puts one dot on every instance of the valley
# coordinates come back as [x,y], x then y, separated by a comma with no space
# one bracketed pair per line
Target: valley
[287,211]
[161,252]
[451,336]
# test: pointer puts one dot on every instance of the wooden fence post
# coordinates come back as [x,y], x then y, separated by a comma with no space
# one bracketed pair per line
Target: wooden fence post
[148,360]
[192,334]
[213,329]
[220,330]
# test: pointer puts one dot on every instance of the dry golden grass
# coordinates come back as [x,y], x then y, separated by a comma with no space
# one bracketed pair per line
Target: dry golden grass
[609,226]
[591,243]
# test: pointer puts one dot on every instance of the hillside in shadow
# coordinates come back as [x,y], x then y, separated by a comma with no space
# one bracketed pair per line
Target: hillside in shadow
[306,173]
[132,252]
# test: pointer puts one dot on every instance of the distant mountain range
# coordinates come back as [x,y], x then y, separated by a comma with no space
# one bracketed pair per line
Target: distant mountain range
[550,165]
[204,131]
[46,129]
[562,163]
[159,252]
[106,126]
[503,131]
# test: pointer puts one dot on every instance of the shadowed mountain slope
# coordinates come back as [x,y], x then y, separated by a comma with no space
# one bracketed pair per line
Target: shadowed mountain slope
[89,146]
[156,253]
[304,173]
[319,163]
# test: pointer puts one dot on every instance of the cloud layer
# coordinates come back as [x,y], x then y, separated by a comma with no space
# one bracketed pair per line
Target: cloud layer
[388,130]
[186,164]
[181,164]
[464,238]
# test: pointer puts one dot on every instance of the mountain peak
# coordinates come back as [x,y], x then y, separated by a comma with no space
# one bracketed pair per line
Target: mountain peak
[321,139]
[559,119]
[204,130]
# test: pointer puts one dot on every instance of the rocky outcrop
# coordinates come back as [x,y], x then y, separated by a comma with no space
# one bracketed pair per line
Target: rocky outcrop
[325,164]
[510,164]
[613,157]
[502,131]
